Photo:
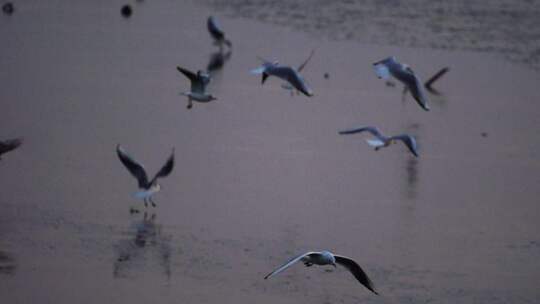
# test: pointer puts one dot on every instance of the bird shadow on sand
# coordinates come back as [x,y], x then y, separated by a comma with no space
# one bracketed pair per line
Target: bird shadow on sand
[146,247]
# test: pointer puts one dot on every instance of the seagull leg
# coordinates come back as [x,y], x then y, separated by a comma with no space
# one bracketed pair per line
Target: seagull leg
[152,201]
[145,203]
[190,103]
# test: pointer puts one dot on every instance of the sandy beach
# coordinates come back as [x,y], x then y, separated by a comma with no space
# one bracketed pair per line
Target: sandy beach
[260,175]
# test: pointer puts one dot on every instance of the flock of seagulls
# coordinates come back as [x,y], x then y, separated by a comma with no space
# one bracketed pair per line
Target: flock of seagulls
[295,83]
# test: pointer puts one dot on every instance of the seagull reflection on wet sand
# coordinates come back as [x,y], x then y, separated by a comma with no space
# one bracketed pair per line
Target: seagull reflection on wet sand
[410,187]
[7,264]
[218,60]
[146,243]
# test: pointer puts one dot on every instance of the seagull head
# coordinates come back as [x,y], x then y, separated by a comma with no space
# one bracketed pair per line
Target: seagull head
[156,187]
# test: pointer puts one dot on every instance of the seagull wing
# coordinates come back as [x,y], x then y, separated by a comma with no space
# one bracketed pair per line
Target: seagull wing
[214,29]
[356,270]
[436,77]
[293,77]
[10,144]
[409,141]
[289,264]
[414,84]
[198,83]
[135,168]
[303,65]
[374,131]
[166,169]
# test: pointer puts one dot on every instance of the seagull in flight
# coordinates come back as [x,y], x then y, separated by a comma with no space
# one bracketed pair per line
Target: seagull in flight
[199,81]
[148,188]
[217,33]
[327,258]
[402,72]
[288,86]
[9,145]
[382,141]
[287,73]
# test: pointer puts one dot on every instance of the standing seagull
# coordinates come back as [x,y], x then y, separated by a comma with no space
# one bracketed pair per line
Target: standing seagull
[328,258]
[137,170]
[9,144]
[383,141]
[402,72]
[217,33]
[199,82]
[287,73]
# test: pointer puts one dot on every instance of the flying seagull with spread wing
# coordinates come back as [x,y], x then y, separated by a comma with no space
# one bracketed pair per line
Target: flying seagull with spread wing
[199,81]
[287,73]
[148,187]
[9,145]
[402,72]
[327,258]
[382,141]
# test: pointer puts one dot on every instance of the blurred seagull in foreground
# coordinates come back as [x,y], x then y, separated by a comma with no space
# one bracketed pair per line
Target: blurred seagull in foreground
[136,169]
[382,141]
[9,145]
[217,33]
[327,258]
[199,82]
[402,72]
[287,73]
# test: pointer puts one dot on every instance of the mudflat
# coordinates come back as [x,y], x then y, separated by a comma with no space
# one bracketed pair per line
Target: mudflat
[260,175]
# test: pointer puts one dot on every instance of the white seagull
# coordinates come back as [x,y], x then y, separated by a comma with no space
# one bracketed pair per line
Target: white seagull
[217,33]
[136,169]
[9,145]
[199,82]
[287,73]
[327,258]
[402,72]
[384,141]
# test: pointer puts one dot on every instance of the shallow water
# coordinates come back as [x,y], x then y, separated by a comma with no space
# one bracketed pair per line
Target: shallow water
[260,175]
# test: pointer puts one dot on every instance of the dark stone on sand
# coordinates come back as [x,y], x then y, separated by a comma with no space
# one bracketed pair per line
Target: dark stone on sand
[126,11]
[8,8]
[326,75]
[484,134]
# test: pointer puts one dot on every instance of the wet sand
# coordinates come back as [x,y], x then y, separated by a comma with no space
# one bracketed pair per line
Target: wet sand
[259,175]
